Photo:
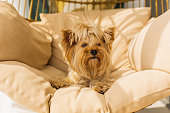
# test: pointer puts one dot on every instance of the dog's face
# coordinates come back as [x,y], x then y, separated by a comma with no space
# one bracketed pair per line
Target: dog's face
[87,50]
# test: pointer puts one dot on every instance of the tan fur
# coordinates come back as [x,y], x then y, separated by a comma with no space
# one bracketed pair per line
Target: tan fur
[85,68]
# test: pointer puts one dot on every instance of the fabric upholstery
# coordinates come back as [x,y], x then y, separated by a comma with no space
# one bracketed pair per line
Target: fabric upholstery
[150,49]
[124,95]
[127,25]
[131,56]
[53,73]
[20,41]
[78,99]
[57,60]
[104,19]
[129,93]
[138,90]
[26,85]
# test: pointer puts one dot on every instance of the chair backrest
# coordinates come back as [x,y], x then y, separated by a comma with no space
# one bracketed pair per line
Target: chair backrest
[30,9]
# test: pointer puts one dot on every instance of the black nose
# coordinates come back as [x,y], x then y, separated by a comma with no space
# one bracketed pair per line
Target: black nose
[93,52]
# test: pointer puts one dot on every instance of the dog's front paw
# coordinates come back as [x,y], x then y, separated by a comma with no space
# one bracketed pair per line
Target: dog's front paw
[99,87]
[84,82]
[102,88]
[61,82]
[58,85]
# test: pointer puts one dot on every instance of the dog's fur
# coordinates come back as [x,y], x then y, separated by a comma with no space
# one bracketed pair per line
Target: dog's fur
[87,50]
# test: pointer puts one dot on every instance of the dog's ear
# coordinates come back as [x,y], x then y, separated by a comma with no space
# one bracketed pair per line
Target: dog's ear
[68,38]
[108,37]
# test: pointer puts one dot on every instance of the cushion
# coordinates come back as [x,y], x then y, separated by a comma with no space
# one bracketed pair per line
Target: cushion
[150,50]
[78,99]
[138,90]
[20,41]
[125,20]
[133,42]
[53,73]
[127,25]
[26,85]
[131,92]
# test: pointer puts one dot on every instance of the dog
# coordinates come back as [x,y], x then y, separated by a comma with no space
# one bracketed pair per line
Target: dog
[87,50]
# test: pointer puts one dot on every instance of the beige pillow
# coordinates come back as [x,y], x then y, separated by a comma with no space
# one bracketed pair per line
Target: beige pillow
[130,93]
[20,41]
[127,25]
[151,48]
[125,20]
[138,90]
[27,86]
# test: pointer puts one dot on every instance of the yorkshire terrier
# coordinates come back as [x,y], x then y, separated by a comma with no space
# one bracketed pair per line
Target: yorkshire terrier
[87,50]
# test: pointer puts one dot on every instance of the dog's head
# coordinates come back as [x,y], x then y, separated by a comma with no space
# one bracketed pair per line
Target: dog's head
[87,49]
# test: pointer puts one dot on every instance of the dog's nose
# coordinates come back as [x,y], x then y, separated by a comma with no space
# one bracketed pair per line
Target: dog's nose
[93,52]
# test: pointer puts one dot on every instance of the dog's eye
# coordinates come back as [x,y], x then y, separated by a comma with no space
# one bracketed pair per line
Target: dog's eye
[84,45]
[98,44]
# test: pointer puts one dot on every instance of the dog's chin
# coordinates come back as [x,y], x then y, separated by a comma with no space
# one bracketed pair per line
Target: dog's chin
[94,58]
[93,61]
